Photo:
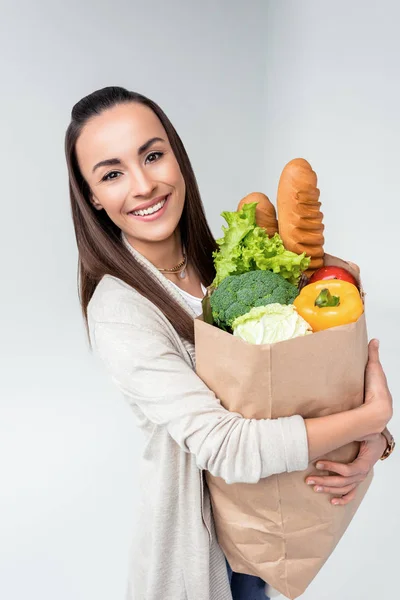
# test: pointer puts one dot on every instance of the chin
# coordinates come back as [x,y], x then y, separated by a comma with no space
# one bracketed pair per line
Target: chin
[160,236]
[153,234]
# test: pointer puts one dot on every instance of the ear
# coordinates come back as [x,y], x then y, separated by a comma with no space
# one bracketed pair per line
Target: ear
[95,202]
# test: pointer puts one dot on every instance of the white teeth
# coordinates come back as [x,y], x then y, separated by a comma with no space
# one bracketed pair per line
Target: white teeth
[150,210]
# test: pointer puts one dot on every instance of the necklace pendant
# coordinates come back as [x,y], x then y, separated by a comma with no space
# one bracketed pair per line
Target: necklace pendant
[182,274]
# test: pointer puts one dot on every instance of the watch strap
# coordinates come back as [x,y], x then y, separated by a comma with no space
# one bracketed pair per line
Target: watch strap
[390,444]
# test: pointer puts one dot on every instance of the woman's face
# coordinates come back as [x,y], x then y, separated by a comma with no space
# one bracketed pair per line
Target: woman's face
[126,159]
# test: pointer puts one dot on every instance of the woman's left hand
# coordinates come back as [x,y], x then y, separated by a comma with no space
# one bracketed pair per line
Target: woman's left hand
[348,476]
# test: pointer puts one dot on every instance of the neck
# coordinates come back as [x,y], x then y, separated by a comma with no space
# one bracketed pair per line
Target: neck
[165,254]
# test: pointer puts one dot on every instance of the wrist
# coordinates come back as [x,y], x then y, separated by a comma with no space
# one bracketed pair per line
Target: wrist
[371,420]
[383,443]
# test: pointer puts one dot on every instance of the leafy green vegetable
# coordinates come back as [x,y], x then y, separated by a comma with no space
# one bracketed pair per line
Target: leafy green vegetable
[247,247]
[270,324]
[237,294]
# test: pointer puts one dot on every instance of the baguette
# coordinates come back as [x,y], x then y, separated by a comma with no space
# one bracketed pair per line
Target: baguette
[300,218]
[265,211]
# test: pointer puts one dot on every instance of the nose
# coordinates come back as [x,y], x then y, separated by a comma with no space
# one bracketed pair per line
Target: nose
[142,183]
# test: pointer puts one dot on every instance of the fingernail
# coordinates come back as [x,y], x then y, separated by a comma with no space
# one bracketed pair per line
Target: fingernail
[318,488]
[335,501]
[311,482]
[320,465]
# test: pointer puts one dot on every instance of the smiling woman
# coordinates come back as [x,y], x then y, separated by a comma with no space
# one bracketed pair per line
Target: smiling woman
[127,164]
[145,257]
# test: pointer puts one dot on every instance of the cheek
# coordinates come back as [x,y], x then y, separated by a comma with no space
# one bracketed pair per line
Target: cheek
[171,174]
[179,183]
[180,186]
[113,197]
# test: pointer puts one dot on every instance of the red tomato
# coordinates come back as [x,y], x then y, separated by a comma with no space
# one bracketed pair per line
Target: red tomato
[333,273]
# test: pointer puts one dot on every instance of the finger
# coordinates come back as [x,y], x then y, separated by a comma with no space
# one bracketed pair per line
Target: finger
[373,351]
[345,499]
[335,482]
[357,467]
[337,491]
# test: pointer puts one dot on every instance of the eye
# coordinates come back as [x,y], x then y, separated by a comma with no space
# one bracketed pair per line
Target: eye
[153,156]
[110,175]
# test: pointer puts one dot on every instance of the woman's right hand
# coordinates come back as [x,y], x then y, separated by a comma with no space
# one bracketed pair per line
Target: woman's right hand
[378,402]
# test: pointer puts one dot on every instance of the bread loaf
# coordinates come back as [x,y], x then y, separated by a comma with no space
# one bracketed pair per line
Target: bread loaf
[265,211]
[299,215]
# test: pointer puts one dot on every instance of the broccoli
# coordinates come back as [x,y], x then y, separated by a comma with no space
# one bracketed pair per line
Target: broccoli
[237,294]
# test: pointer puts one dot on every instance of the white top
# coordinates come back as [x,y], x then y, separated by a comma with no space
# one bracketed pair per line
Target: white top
[193,301]
[175,552]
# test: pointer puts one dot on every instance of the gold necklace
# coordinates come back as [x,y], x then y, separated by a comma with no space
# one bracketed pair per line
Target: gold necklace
[179,269]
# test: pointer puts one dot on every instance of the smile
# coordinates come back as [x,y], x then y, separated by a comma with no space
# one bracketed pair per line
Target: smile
[151,210]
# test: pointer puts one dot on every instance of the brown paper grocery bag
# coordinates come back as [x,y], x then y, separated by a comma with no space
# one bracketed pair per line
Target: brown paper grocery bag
[279,529]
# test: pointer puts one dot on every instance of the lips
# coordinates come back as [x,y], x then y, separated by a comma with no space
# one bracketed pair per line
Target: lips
[155,214]
[148,204]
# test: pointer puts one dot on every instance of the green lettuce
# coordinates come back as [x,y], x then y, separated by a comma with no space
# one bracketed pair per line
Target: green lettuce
[247,247]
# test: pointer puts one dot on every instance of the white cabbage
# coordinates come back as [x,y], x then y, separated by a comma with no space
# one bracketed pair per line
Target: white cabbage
[269,324]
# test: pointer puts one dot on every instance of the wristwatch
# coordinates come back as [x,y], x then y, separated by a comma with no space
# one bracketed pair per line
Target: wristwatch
[390,444]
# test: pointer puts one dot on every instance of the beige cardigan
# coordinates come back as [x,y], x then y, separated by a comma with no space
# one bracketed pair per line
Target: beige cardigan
[175,554]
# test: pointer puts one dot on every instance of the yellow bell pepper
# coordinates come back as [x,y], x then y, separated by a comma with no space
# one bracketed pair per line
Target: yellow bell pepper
[329,303]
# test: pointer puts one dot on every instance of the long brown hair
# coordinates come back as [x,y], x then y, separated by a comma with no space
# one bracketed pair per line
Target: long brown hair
[100,248]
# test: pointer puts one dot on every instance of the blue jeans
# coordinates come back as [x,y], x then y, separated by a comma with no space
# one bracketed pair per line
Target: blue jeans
[246,587]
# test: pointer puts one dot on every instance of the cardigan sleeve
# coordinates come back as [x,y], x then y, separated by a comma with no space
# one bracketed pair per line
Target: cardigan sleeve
[151,372]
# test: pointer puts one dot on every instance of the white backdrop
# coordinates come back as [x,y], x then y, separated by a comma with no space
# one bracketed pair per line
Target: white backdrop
[248,85]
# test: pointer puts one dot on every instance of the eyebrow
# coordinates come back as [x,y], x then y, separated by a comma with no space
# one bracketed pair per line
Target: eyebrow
[116,161]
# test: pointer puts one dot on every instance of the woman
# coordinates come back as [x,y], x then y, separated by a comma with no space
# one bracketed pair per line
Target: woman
[145,257]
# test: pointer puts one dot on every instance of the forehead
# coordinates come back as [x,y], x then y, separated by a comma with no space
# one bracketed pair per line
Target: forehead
[118,131]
